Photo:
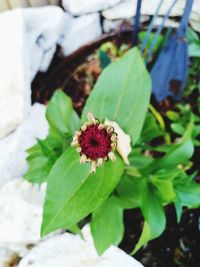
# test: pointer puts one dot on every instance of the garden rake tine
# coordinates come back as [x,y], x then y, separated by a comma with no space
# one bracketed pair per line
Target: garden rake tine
[185,18]
[159,30]
[150,28]
[137,22]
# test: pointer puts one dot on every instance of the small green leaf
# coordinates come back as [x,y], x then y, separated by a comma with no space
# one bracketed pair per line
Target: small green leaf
[105,60]
[150,129]
[178,154]
[191,35]
[155,219]
[163,182]
[107,225]
[194,49]
[39,165]
[73,193]
[48,149]
[151,38]
[42,156]
[76,230]
[122,94]
[179,208]
[189,194]
[172,115]
[60,114]
[177,128]
[130,190]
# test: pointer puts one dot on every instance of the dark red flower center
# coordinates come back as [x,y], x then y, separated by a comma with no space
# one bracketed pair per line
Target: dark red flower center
[94,142]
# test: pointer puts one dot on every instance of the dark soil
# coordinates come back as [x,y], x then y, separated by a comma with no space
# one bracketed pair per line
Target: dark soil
[179,245]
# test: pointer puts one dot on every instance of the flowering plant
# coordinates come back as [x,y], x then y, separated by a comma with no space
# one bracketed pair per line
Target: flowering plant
[95,165]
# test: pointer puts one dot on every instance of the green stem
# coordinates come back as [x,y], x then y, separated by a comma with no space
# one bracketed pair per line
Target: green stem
[161,123]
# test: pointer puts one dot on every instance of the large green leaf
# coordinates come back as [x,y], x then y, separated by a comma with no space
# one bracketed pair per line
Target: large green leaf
[155,219]
[107,225]
[73,193]
[122,94]
[60,114]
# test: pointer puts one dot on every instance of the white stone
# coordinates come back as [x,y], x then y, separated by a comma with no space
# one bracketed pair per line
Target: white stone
[21,216]
[43,29]
[54,2]
[168,23]
[110,25]
[15,76]
[127,9]
[79,31]
[71,251]
[124,10]
[17,3]
[12,148]
[113,25]
[80,7]
[38,2]
[195,25]
[3,6]
[28,43]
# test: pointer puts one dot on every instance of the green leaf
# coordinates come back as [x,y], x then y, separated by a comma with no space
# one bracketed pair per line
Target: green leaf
[39,165]
[161,123]
[151,38]
[189,194]
[63,122]
[60,114]
[48,149]
[187,191]
[42,156]
[76,230]
[163,182]
[191,35]
[178,207]
[177,128]
[122,94]
[73,193]
[104,58]
[179,154]
[150,129]
[139,161]
[107,225]
[130,190]
[194,49]
[155,219]
[172,115]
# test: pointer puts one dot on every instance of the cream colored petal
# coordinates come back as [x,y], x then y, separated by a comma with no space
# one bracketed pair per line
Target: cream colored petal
[93,167]
[124,140]
[91,118]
